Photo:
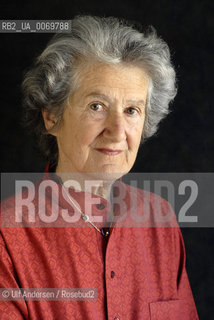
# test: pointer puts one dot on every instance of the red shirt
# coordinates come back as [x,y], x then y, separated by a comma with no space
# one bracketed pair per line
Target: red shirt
[139,272]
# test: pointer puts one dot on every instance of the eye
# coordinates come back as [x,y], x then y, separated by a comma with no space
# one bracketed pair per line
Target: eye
[96,106]
[132,111]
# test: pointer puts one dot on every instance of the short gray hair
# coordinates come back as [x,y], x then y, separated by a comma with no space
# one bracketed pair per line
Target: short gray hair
[53,78]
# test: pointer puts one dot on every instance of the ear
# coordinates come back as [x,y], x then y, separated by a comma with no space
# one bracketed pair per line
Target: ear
[50,120]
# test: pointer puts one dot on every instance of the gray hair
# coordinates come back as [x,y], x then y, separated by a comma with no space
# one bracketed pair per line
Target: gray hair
[54,76]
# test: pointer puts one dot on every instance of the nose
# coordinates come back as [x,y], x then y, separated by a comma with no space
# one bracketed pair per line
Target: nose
[115,127]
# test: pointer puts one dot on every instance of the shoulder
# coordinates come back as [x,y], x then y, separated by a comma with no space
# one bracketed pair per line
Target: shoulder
[154,209]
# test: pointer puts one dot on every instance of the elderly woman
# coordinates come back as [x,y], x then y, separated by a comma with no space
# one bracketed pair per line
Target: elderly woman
[92,96]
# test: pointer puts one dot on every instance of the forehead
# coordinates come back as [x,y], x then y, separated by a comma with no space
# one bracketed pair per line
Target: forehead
[101,78]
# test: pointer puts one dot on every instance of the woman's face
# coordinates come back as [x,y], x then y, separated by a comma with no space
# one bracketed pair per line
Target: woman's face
[103,122]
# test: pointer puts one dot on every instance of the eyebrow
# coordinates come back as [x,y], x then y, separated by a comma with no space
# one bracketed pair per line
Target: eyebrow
[105,97]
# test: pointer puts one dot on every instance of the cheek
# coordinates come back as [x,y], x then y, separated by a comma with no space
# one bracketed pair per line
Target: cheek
[135,137]
[67,139]
[84,137]
[89,132]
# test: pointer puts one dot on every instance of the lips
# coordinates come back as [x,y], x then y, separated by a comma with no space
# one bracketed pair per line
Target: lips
[109,152]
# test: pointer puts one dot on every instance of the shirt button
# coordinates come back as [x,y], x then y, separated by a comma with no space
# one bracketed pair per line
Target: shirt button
[100,206]
[112,276]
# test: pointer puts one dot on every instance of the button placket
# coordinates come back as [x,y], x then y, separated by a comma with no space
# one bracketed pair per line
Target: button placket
[100,206]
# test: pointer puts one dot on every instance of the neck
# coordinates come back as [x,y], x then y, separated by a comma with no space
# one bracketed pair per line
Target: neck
[87,183]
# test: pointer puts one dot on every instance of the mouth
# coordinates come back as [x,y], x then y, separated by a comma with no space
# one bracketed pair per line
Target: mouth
[109,152]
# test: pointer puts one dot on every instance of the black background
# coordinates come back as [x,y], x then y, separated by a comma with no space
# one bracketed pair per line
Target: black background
[185,140]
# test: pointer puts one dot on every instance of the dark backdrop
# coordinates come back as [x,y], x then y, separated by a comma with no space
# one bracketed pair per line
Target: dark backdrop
[185,139]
